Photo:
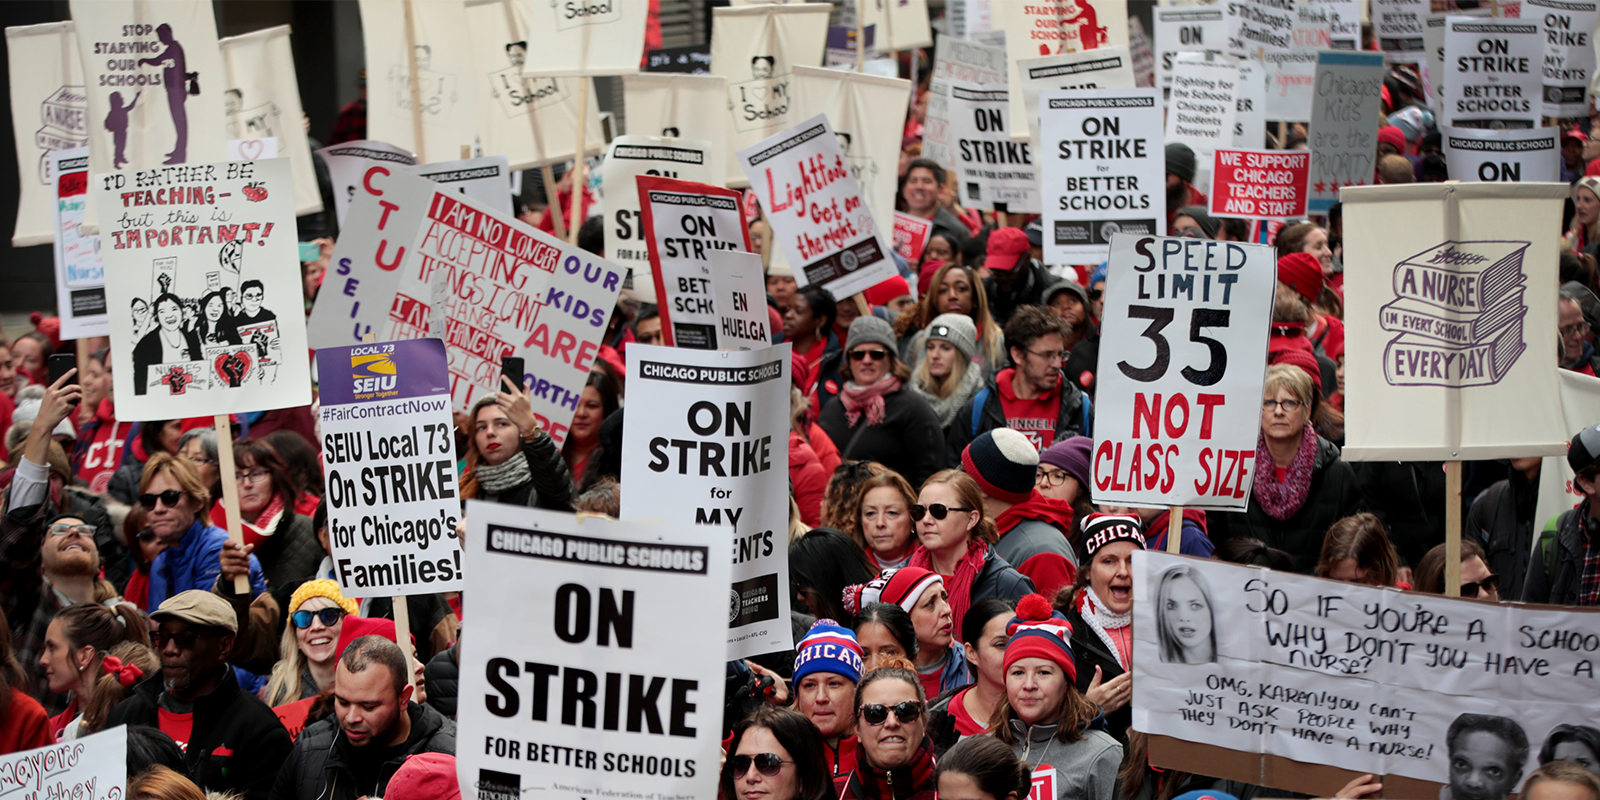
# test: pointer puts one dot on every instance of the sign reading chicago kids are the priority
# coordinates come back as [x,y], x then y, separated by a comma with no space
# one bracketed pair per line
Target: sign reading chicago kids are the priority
[388,448]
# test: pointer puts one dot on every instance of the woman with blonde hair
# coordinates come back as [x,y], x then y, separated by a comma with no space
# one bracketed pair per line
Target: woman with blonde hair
[945,375]
[954,289]
[309,647]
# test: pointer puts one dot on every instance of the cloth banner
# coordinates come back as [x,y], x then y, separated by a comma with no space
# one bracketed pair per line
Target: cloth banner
[956,59]
[530,121]
[1104,170]
[389,456]
[817,216]
[349,162]
[1398,26]
[1100,68]
[1344,124]
[1449,322]
[1250,107]
[1185,29]
[1503,156]
[197,253]
[992,171]
[627,158]
[47,113]
[756,49]
[1492,75]
[620,594]
[92,767]
[1291,75]
[486,180]
[583,38]
[741,292]
[1179,420]
[1259,27]
[681,106]
[1359,678]
[712,448]
[80,273]
[1259,184]
[682,224]
[1205,106]
[1580,408]
[911,235]
[1569,59]
[443,51]
[1052,27]
[856,105]
[899,24]
[262,100]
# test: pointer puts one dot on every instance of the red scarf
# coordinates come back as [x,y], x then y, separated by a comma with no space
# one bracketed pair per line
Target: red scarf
[959,585]
[1282,499]
[868,398]
[254,531]
[1045,509]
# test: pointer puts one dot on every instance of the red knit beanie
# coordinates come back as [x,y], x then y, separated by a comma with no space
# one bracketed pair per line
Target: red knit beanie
[1303,359]
[1303,273]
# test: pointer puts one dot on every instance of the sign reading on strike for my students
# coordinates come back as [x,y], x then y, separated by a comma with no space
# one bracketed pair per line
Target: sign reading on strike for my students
[712,447]
[815,208]
[1184,338]
[683,223]
[593,682]
[388,450]
[1259,184]
[1103,168]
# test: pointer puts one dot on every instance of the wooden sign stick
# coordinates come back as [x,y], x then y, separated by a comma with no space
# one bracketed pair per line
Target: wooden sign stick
[230,491]
[553,197]
[1452,529]
[402,612]
[579,180]
[1175,530]
[416,88]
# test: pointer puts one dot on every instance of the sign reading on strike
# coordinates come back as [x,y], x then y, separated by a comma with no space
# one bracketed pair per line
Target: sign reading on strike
[1183,341]
[1492,73]
[1503,156]
[388,445]
[1259,184]
[682,223]
[1103,169]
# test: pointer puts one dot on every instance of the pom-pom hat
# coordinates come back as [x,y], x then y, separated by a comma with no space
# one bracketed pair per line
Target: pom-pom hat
[901,586]
[1039,631]
[1004,464]
[828,647]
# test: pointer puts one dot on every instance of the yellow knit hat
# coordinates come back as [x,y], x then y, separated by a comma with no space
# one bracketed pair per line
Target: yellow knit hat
[321,588]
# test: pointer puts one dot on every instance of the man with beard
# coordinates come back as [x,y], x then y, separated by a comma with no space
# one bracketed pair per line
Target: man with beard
[374,728]
[232,742]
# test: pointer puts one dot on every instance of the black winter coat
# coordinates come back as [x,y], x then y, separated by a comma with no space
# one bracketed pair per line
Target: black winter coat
[443,677]
[999,579]
[1089,652]
[552,486]
[1556,574]
[1333,495]
[1409,497]
[1028,292]
[318,768]
[292,553]
[1502,520]
[1070,421]
[237,744]
[908,440]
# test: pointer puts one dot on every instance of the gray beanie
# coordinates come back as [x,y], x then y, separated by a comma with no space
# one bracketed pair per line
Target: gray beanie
[958,330]
[870,329]
[1065,285]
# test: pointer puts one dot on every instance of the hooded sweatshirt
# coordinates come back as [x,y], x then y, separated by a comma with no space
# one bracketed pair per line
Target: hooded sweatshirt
[1196,541]
[100,447]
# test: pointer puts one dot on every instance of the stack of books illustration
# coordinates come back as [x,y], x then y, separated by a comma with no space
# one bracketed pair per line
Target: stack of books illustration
[1458,310]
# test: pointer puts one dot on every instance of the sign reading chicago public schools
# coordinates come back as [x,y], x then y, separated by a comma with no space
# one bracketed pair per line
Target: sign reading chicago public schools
[1457,313]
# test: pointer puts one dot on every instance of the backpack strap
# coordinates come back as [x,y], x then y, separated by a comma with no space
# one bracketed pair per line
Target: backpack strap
[979,400]
[1088,416]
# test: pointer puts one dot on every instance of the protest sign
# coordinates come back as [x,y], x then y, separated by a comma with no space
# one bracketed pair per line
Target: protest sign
[1580,408]
[1250,117]
[911,234]
[428,44]
[694,59]
[681,224]
[1567,28]
[1259,184]
[898,24]
[486,180]
[1104,170]
[1053,27]
[1398,26]
[197,254]
[756,48]
[80,274]
[348,164]
[854,104]
[581,38]
[1205,106]
[971,19]
[1447,326]
[91,768]
[815,208]
[955,59]
[1492,75]
[741,300]
[1257,27]
[681,107]
[992,171]
[47,113]
[630,157]
[1344,124]
[152,70]
[1419,689]
[252,149]
[1178,420]
[621,595]
[530,121]
[1500,156]
[1185,29]
[1100,68]
[388,452]
[1344,17]
[712,447]
[262,101]
[1291,75]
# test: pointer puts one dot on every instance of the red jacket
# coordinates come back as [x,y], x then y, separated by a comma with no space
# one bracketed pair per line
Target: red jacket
[807,480]
[98,454]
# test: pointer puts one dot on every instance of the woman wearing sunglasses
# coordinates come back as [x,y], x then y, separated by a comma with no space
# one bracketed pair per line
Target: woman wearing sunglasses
[894,759]
[173,497]
[1478,582]
[956,542]
[309,647]
[873,418]
[775,754]
[1044,717]
[283,540]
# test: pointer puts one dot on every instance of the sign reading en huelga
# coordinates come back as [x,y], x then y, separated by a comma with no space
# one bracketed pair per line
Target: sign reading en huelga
[388,441]
[593,679]
[712,447]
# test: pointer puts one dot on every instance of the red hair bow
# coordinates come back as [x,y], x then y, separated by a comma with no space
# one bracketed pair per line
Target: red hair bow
[127,674]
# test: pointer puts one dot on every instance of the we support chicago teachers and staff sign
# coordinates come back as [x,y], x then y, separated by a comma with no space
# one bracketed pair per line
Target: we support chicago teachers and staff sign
[1182,344]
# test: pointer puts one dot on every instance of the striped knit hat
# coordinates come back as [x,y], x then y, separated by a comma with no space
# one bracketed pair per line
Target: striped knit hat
[1039,631]
[901,586]
[828,647]
[1004,464]
[1101,529]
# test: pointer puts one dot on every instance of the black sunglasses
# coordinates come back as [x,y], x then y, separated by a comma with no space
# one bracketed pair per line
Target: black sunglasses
[1488,584]
[878,713]
[767,763]
[146,535]
[863,355]
[330,617]
[184,640]
[938,510]
[1094,294]
[168,498]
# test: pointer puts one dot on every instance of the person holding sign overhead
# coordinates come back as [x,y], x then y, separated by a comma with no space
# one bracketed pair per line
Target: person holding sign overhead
[873,418]
[511,459]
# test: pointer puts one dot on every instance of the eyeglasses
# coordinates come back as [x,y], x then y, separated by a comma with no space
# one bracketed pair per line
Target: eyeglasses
[253,476]
[65,529]
[767,763]
[201,461]
[938,510]
[863,355]
[146,536]
[1575,329]
[184,639]
[878,713]
[1290,406]
[1052,356]
[330,617]
[168,498]
[1050,477]
[1484,586]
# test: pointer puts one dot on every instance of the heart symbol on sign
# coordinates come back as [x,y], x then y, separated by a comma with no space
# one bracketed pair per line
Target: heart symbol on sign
[233,367]
[251,149]
[759,91]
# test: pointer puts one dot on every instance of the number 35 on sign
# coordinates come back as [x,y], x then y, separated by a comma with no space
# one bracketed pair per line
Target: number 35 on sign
[1183,349]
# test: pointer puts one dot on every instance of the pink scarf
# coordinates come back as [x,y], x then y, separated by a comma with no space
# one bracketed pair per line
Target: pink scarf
[856,398]
[959,585]
[1282,500]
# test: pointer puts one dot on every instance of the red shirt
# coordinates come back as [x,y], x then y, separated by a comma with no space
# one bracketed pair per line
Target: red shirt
[104,452]
[179,726]
[26,725]
[1036,418]
[965,724]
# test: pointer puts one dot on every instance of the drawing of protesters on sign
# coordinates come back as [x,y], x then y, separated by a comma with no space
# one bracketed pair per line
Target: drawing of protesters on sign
[216,324]
[141,317]
[176,78]
[1487,755]
[761,67]
[1458,312]
[255,123]
[1186,624]
[117,123]
[168,343]
[763,100]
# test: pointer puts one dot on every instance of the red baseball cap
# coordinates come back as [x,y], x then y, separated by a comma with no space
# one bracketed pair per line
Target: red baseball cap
[1006,248]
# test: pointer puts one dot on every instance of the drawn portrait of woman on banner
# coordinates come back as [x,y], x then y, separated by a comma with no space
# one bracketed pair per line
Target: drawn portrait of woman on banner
[1185,624]
[1487,756]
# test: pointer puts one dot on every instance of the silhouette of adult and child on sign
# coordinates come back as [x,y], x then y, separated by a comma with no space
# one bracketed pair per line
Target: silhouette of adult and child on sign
[179,82]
